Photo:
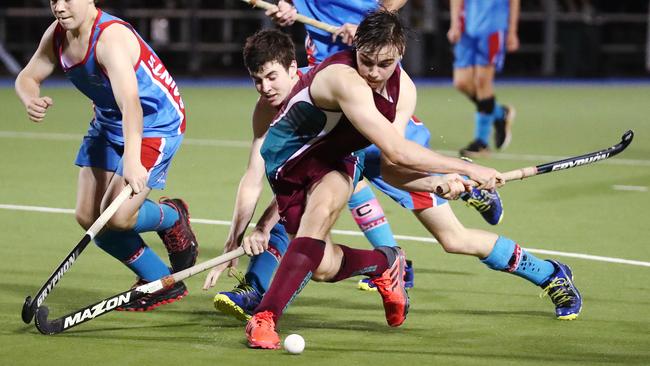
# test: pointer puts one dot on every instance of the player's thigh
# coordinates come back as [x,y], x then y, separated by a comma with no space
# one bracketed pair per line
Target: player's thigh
[325,201]
[91,185]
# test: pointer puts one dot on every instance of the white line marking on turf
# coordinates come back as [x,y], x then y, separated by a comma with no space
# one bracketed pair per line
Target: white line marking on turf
[246,144]
[618,187]
[356,233]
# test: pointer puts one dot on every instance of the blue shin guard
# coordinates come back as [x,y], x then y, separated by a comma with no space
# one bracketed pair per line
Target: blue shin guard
[129,248]
[155,217]
[507,256]
[261,267]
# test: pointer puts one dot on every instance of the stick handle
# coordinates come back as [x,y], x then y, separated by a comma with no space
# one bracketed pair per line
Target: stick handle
[226,257]
[507,176]
[301,18]
[109,212]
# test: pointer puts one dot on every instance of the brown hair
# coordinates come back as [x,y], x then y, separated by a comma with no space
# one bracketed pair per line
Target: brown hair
[268,45]
[379,29]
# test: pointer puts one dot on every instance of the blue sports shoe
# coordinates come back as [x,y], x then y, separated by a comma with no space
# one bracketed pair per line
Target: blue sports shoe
[239,303]
[563,293]
[487,203]
[409,279]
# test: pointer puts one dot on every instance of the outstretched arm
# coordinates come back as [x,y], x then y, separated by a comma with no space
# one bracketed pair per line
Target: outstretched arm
[356,102]
[249,190]
[28,82]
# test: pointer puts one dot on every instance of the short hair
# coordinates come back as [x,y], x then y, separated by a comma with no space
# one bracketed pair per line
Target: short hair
[380,28]
[268,45]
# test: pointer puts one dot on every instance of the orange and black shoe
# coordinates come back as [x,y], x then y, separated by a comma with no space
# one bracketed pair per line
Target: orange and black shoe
[260,331]
[179,239]
[152,301]
[390,285]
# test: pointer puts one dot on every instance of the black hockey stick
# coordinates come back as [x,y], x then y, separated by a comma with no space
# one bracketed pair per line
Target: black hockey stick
[109,304]
[30,306]
[563,164]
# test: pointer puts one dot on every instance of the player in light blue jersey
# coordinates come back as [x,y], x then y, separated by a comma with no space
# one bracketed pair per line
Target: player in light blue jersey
[482,31]
[137,127]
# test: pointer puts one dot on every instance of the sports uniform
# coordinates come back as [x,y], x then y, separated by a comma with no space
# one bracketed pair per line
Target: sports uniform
[102,147]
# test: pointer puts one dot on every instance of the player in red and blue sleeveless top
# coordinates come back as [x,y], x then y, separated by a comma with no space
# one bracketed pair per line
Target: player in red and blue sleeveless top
[138,125]
[482,31]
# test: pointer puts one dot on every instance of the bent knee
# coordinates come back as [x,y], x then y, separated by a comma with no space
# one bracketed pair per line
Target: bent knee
[85,219]
[121,222]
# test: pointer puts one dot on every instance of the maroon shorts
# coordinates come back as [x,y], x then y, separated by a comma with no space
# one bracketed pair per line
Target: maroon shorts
[293,183]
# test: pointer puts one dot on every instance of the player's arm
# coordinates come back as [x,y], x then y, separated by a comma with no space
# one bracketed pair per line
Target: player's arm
[284,14]
[455,28]
[252,182]
[258,240]
[248,192]
[512,40]
[356,102]
[29,80]
[117,52]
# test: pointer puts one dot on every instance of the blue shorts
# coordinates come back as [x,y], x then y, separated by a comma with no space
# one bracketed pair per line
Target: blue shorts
[417,132]
[98,151]
[482,50]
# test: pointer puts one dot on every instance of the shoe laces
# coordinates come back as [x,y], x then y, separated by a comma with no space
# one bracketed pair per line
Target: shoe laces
[482,201]
[264,319]
[559,290]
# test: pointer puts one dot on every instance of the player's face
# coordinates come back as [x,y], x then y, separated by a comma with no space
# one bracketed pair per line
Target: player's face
[71,14]
[273,81]
[377,66]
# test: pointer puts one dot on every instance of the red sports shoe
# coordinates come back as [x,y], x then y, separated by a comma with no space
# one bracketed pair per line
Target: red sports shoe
[179,239]
[391,287]
[260,331]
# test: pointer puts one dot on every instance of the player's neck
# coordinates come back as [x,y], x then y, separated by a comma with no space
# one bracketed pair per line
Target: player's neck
[86,27]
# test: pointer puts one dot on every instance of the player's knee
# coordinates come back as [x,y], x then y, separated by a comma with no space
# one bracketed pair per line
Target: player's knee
[85,219]
[464,85]
[120,222]
[453,243]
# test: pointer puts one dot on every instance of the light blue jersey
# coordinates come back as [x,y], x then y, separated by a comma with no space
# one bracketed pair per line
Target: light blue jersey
[318,42]
[162,107]
[482,17]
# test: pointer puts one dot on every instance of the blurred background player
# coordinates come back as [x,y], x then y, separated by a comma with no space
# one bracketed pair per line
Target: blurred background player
[482,31]
[138,124]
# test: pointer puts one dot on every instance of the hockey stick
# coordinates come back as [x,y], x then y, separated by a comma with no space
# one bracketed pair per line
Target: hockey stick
[109,304]
[563,164]
[301,18]
[29,307]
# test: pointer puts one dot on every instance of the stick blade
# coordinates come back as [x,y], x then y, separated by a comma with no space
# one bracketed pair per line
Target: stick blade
[43,325]
[627,137]
[27,313]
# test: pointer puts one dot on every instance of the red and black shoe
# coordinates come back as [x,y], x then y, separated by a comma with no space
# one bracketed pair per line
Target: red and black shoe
[179,239]
[152,301]
[390,285]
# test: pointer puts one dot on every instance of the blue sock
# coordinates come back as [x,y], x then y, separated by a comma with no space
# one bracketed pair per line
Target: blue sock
[129,248]
[507,256]
[370,218]
[483,126]
[499,112]
[155,217]
[261,267]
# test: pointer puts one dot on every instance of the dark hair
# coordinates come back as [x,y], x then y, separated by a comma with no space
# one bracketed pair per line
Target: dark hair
[379,29]
[268,45]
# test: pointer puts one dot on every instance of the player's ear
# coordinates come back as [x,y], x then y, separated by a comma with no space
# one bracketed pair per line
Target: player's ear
[293,68]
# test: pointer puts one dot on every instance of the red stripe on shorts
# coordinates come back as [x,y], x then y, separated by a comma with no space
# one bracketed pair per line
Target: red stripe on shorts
[150,151]
[493,47]
[422,200]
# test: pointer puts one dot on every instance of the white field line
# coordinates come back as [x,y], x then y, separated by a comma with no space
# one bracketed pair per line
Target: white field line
[596,258]
[246,144]
[618,187]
